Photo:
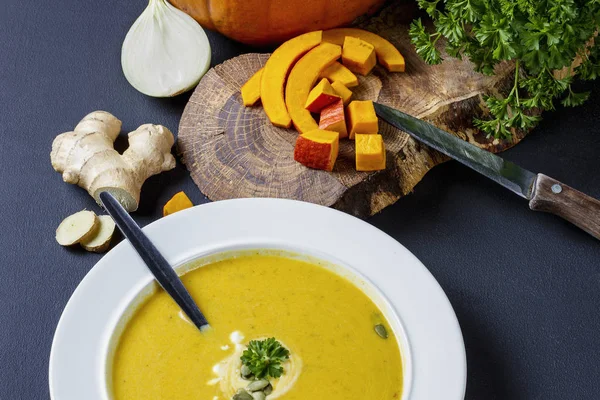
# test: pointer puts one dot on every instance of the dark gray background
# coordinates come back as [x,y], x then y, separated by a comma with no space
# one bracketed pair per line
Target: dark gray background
[525,286]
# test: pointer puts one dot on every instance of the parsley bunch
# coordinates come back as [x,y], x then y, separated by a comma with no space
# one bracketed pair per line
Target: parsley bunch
[541,36]
[264,358]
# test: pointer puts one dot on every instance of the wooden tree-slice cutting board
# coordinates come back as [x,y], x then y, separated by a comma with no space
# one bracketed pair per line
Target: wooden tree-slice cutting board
[233,151]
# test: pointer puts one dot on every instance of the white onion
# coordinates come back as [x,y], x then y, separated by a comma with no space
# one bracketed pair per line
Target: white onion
[165,52]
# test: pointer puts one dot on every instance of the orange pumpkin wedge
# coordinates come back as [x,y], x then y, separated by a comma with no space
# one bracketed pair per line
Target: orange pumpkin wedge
[361,118]
[178,202]
[302,79]
[321,96]
[276,71]
[387,54]
[337,72]
[370,152]
[333,119]
[317,149]
[358,55]
[251,89]
[342,91]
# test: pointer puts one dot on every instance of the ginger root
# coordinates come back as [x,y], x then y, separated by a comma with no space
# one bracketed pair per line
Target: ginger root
[86,157]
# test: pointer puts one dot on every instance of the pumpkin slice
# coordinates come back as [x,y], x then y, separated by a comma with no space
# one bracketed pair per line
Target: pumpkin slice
[276,71]
[317,149]
[342,91]
[321,96]
[358,55]
[251,89]
[301,80]
[337,72]
[387,54]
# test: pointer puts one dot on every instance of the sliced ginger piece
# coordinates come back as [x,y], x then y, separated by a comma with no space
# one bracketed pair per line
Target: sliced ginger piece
[251,89]
[303,77]
[321,96]
[76,228]
[342,91]
[317,149]
[337,72]
[276,71]
[361,118]
[370,152]
[358,55]
[333,119]
[387,54]
[100,241]
[178,202]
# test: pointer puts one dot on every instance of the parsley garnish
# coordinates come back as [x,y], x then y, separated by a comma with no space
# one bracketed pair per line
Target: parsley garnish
[264,358]
[540,36]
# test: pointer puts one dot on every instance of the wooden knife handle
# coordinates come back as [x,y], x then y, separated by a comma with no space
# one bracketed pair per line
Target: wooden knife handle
[550,195]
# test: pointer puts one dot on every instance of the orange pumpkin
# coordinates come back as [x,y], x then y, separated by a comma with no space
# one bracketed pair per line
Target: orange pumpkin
[263,22]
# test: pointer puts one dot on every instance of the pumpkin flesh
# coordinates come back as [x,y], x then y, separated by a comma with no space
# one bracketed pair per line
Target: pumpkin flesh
[302,79]
[251,89]
[276,71]
[387,54]
[337,72]
[317,149]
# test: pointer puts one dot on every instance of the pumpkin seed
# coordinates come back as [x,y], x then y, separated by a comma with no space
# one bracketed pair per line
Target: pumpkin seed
[257,385]
[241,394]
[259,396]
[268,390]
[381,331]
[245,372]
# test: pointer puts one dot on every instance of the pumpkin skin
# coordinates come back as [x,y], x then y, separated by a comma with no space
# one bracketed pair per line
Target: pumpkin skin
[267,22]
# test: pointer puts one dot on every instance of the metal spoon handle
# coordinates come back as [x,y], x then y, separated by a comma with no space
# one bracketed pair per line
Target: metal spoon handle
[156,263]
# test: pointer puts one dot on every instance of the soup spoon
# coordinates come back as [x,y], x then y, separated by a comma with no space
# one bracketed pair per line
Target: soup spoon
[156,263]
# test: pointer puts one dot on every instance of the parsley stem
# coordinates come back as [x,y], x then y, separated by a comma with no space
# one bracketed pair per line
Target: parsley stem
[437,36]
[515,88]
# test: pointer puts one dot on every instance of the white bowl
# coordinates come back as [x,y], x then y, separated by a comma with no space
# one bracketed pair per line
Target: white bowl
[417,309]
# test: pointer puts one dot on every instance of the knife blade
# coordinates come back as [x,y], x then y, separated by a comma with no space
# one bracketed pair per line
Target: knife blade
[544,193]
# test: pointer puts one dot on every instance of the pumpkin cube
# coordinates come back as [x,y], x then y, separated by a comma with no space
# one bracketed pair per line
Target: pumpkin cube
[321,96]
[251,89]
[332,118]
[358,55]
[317,149]
[361,118]
[370,152]
[342,91]
[178,202]
[337,72]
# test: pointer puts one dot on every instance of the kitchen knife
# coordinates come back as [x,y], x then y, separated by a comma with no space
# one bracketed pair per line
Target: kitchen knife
[544,193]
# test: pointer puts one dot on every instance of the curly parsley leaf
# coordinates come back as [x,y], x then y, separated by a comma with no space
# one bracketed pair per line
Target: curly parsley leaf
[539,36]
[575,99]
[424,43]
[264,358]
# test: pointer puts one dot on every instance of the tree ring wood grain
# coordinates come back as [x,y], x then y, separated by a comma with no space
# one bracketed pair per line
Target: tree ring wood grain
[233,151]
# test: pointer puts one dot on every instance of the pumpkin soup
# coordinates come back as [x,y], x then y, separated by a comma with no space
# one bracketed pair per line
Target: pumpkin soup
[280,328]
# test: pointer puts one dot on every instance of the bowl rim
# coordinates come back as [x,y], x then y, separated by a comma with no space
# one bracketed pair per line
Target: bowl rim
[428,345]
